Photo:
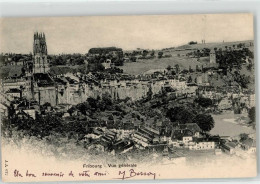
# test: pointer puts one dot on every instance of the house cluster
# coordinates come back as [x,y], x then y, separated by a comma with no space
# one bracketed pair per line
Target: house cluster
[146,136]
[240,148]
[109,140]
[182,137]
[228,98]
[189,136]
[15,59]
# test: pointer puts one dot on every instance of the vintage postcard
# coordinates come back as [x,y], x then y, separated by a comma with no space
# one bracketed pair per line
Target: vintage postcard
[127,97]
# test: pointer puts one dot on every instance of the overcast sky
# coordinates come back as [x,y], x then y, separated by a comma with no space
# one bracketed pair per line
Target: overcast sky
[79,34]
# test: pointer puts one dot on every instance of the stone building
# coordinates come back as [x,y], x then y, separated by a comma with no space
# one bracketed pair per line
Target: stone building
[44,89]
[212,56]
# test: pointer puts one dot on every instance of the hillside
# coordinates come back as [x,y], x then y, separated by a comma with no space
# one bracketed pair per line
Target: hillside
[142,66]
[179,57]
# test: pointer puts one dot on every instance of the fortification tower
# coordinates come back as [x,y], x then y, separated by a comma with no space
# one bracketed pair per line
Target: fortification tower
[40,61]
[212,56]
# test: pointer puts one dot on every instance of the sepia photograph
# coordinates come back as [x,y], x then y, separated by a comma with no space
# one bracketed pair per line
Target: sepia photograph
[145,97]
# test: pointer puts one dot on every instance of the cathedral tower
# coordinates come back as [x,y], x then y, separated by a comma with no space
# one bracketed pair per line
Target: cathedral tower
[40,62]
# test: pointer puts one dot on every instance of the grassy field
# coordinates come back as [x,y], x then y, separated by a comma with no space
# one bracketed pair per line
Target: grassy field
[142,66]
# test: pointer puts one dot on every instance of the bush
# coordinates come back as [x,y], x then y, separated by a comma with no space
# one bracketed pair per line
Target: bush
[251,114]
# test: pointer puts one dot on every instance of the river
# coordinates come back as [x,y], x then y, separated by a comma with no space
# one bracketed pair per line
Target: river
[226,124]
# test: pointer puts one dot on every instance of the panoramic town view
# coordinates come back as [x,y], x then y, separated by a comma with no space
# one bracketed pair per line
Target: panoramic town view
[182,104]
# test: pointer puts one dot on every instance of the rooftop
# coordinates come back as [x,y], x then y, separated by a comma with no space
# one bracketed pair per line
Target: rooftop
[13,90]
[188,126]
[43,79]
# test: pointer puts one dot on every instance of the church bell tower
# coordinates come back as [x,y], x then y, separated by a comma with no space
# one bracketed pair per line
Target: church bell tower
[40,61]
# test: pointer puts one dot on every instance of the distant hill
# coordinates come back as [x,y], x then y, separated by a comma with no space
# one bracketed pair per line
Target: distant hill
[212,45]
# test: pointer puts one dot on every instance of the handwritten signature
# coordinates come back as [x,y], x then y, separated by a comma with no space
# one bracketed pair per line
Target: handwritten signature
[123,175]
[132,173]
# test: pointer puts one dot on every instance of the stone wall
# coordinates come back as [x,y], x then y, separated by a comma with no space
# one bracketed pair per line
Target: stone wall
[46,94]
[78,93]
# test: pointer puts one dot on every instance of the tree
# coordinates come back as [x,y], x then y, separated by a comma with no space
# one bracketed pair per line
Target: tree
[71,110]
[240,45]
[150,93]
[152,53]
[133,58]
[243,137]
[23,69]
[190,69]
[180,114]
[145,52]
[204,121]
[189,79]
[204,102]
[251,54]
[160,54]
[250,66]
[198,68]
[82,107]
[251,114]
[169,67]
[78,61]
[106,101]
[177,68]
[59,61]
[83,68]
[92,102]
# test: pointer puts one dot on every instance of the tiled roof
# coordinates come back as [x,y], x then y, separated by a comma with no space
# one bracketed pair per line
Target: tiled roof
[43,79]
[188,126]
[231,144]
